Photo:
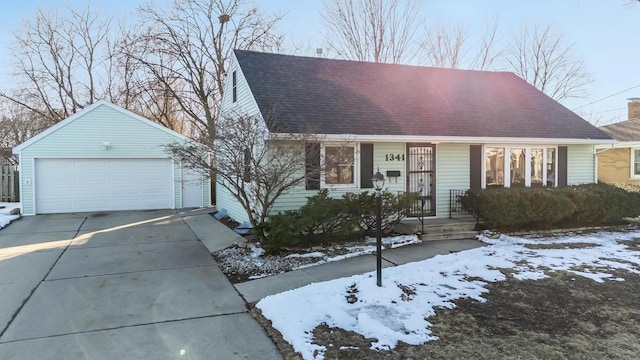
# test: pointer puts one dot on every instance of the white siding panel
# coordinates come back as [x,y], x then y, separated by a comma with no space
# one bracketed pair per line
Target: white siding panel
[452,173]
[581,164]
[297,197]
[225,200]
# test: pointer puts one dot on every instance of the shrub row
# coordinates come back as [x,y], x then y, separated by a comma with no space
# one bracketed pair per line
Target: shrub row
[543,208]
[324,219]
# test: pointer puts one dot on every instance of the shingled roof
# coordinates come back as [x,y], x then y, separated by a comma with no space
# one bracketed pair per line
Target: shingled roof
[628,130]
[349,97]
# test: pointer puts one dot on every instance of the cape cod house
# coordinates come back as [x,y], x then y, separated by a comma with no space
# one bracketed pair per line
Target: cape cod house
[428,130]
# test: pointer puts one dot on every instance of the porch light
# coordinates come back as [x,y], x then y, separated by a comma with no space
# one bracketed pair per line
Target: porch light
[106,145]
[378,183]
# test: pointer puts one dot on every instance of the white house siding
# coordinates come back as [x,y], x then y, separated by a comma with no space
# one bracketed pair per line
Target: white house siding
[245,104]
[580,164]
[83,138]
[225,200]
[297,197]
[380,150]
[452,173]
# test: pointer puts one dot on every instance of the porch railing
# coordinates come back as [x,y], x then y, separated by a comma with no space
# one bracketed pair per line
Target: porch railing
[465,203]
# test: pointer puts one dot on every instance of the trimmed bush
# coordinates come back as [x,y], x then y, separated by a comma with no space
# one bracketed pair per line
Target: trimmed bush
[601,204]
[361,208]
[543,208]
[323,219]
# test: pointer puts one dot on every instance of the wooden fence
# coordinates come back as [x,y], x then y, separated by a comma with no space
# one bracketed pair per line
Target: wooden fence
[9,183]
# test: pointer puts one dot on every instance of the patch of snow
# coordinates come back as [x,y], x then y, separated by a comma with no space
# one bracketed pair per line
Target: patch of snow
[6,207]
[6,219]
[255,264]
[315,254]
[391,313]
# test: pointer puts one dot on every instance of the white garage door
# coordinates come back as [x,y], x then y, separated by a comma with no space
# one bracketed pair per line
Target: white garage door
[76,185]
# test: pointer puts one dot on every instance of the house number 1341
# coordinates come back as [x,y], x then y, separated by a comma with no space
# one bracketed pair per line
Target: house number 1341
[394,157]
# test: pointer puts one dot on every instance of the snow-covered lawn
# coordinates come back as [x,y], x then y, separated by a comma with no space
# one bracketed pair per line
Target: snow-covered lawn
[5,208]
[399,310]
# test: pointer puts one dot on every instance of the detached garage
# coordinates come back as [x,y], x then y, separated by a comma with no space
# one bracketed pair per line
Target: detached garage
[106,158]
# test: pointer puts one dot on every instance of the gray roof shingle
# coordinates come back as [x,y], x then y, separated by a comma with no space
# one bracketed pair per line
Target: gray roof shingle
[329,96]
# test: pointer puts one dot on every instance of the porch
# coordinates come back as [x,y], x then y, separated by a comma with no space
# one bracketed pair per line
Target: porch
[460,225]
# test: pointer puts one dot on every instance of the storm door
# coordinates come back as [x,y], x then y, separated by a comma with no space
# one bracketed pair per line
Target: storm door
[421,171]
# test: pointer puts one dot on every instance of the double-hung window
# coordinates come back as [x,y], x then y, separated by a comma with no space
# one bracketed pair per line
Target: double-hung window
[635,163]
[340,165]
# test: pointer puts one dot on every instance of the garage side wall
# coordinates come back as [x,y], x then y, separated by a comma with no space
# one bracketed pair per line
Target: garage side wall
[85,137]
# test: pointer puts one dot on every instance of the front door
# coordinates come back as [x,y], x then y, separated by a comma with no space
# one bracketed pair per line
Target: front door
[421,171]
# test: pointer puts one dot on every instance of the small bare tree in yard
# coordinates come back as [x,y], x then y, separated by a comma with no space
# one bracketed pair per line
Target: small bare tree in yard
[541,56]
[252,167]
[184,51]
[371,30]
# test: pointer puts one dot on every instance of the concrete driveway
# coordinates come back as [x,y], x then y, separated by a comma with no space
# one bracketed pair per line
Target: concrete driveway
[127,285]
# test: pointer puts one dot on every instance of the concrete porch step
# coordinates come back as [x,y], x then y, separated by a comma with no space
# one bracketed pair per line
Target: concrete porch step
[413,226]
[449,235]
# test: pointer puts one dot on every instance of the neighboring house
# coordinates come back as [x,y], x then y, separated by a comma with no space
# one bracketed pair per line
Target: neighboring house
[620,163]
[105,158]
[428,130]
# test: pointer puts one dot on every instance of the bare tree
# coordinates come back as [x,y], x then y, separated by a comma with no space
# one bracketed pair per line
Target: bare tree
[61,60]
[371,30]
[453,46]
[185,51]
[541,56]
[254,169]
[445,47]
[17,125]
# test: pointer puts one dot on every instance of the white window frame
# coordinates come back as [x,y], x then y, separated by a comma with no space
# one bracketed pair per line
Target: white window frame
[527,163]
[632,165]
[356,166]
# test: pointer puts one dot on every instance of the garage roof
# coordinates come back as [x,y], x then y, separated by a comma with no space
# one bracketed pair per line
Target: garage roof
[79,114]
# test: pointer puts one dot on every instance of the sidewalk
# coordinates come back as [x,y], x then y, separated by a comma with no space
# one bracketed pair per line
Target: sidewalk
[255,290]
[216,236]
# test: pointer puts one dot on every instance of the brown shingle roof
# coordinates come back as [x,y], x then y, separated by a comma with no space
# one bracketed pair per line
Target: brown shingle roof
[349,97]
[628,130]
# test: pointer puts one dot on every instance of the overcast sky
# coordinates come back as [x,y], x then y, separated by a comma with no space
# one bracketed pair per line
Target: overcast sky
[606,34]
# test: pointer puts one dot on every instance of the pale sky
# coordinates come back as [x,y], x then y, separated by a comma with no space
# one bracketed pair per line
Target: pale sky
[606,34]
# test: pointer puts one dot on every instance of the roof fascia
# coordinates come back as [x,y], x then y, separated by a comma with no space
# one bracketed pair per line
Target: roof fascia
[447,139]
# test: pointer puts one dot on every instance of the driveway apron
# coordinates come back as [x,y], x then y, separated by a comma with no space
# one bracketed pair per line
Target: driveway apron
[136,285]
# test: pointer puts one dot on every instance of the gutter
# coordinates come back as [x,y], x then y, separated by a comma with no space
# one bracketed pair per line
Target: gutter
[443,139]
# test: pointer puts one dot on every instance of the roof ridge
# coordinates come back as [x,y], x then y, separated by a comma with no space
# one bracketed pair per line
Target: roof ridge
[414,66]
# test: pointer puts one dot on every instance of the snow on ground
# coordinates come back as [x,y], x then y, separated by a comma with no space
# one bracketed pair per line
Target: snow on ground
[5,208]
[399,310]
[255,264]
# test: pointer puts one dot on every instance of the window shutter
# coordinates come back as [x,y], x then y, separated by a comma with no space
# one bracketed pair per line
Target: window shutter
[562,166]
[312,166]
[234,86]
[475,167]
[366,166]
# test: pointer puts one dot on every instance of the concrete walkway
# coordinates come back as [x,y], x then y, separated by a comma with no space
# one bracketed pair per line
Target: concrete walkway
[255,290]
[216,236]
[121,285]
